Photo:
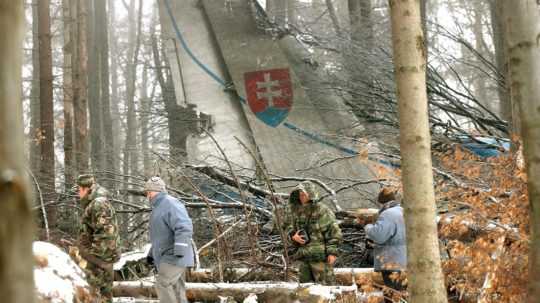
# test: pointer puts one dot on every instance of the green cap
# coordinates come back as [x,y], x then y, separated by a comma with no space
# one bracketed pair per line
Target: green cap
[309,188]
[86,180]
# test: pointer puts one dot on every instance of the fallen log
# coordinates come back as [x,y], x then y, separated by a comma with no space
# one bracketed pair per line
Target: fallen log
[266,292]
[344,276]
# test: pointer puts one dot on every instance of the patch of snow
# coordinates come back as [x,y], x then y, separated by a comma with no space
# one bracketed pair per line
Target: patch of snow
[56,276]
[134,255]
[251,298]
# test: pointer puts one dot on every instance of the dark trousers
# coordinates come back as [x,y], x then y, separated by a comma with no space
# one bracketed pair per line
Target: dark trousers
[392,279]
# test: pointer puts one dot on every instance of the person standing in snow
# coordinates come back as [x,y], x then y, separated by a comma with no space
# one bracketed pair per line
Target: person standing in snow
[171,232]
[98,240]
[388,236]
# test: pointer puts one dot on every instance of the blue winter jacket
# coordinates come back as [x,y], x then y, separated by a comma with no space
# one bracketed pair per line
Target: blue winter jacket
[171,232]
[388,235]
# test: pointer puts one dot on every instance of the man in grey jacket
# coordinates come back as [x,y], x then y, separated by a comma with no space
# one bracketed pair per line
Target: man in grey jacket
[388,236]
[171,232]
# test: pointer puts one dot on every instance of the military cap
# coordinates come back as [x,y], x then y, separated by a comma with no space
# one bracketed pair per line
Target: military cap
[309,188]
[86,180]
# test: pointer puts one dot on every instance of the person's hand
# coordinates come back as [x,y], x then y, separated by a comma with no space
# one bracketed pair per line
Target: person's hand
[298,238]
[331,259]
[108,267]
[361,220]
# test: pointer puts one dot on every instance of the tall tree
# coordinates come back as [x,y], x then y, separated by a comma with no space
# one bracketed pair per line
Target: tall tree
[361,23]
[498,32]
[102,43]
[145,120]
[47,173]
[94,92]
[115,94]
[34,94]
[523,42]
[16,219]
[80,92]
[333,16]
[134,30]
[67,80]
[426,281]
[479,44]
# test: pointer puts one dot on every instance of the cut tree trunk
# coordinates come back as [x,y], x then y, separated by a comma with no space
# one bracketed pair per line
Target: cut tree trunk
[266,292]
[344,276]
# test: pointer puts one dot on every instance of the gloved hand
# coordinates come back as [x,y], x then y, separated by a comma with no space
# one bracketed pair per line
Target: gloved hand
[150,260]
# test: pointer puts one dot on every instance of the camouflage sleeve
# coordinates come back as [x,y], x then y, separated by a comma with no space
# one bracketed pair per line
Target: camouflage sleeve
[105,236]
[331,230]
[288,224]
[85,234]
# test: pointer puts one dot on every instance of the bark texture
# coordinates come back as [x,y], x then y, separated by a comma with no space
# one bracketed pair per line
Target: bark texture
[523,21]
[16,219]
[46,141]
[426,282]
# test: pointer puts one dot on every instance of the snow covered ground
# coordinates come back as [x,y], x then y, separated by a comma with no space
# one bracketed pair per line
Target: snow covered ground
[56,276]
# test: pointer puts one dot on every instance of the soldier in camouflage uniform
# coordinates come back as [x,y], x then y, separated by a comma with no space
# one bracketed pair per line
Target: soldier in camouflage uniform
[314,231]
[98,240]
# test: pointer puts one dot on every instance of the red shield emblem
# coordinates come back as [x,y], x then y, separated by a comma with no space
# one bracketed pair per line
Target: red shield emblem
[269,94]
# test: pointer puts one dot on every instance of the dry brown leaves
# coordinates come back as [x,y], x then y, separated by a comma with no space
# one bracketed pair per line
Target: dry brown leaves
[486,229]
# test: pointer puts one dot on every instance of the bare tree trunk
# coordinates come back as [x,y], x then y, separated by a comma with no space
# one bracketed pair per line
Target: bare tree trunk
[523,24]
[499,36]
[80,93]
[69,164]
[47,173]
[34,94]
[361,23]
[145,117]
[130,153]
[426,281]
[94,93]
[515,74]
[103,48]
[480,79]
[333,17]
[115,95]
[16,219]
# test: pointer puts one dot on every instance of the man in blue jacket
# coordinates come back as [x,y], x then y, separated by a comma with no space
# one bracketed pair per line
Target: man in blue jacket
[388,236]
[171,232]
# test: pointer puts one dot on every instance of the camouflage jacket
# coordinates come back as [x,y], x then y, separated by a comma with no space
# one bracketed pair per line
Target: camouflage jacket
[320,224]
[99,229]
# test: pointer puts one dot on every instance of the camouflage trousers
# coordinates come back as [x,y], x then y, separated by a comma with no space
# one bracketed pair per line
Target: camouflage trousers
[101,282]
[318,272]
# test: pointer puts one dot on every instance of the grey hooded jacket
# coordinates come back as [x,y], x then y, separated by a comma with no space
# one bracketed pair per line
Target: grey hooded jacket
[171,232]
[388,234]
